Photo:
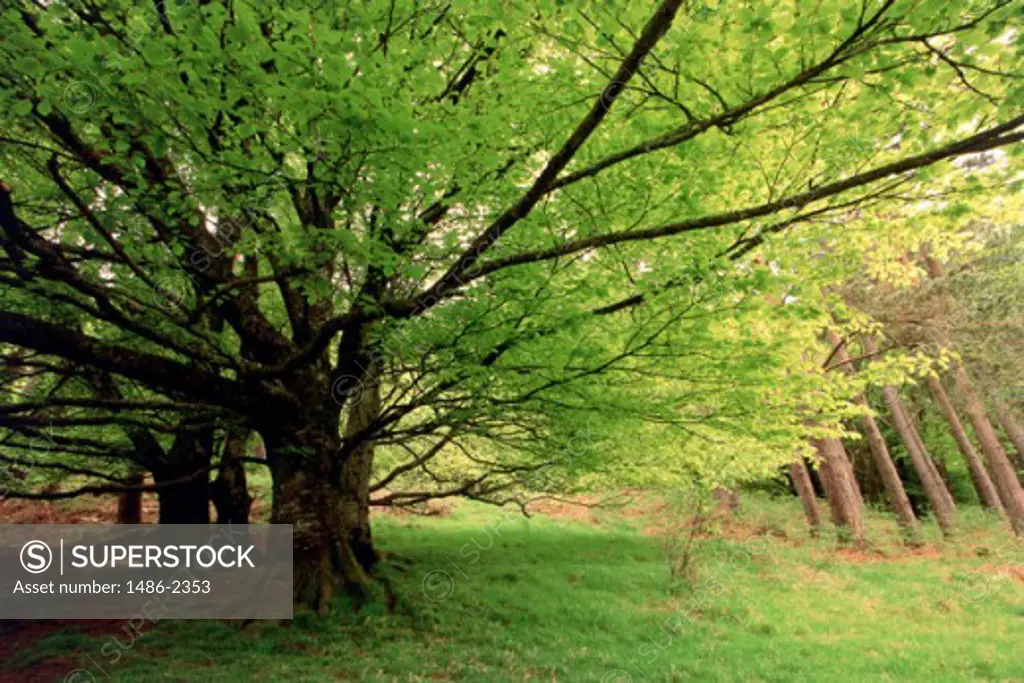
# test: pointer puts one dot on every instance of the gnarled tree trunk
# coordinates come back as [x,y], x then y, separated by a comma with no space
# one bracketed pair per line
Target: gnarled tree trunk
[321,479]
[229,492]
[307,457]
[358,466]
[183,479]
[303,466]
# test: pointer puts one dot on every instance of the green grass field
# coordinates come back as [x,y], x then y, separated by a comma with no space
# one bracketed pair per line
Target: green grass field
[486,598]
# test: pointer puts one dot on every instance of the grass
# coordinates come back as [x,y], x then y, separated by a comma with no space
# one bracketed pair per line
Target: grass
[486,598]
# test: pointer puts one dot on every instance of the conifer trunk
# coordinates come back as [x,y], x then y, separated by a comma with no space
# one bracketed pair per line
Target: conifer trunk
[929,461]
[931,483]
[942,486]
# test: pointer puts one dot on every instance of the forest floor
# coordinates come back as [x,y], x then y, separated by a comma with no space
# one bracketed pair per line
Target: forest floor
[583,594]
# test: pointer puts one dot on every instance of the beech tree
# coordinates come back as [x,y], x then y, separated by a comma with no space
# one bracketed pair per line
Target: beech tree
[349,225]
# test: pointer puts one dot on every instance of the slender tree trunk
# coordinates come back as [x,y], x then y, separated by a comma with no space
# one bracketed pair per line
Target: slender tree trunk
[894,490]
[851,476]
[939,500]
[1001,470]
[148,452]
[931,483]
[1013,430]
[230,491]
[982,482]
[929,462]
[840,489]
[805,489]
[842,466]
[825,478]
[1003,475]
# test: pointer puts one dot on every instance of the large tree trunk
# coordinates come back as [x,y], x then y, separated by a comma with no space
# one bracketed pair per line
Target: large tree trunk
[182,502]
[316,485]
[183,479]
[805,489]
[840,489]
[894,491]
[306,497]
[982,482]
[129,505]
[230,491]
[939,499]
[1013,430]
